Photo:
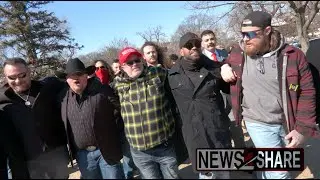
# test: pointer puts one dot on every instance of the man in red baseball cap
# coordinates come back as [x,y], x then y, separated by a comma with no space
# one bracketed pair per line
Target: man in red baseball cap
[131,62]
[147,109]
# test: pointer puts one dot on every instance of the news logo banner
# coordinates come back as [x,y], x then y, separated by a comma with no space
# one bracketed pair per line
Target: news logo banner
[257,159]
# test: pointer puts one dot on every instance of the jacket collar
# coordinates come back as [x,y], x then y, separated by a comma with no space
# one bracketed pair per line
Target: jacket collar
[177,68]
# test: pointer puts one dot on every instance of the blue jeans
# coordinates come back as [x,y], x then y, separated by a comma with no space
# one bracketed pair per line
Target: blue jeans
[157,163]
[128,164]
[268,136]
[93,166]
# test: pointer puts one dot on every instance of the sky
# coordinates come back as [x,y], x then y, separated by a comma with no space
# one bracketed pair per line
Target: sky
[95,24]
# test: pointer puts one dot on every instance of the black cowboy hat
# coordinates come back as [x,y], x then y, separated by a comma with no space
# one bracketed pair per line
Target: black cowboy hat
[75,66]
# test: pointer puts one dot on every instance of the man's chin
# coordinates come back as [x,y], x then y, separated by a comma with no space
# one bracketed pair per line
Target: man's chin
[250,52]
[21,90]
[136,74]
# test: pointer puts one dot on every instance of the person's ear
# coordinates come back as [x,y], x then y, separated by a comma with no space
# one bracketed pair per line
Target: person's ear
[181,52]
[267,30]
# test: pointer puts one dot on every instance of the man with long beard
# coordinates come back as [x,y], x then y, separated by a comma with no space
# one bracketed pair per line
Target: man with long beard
[272,88]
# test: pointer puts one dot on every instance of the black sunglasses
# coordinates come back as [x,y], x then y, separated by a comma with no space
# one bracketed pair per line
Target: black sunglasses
[20,76]
[189,45]
[130,63]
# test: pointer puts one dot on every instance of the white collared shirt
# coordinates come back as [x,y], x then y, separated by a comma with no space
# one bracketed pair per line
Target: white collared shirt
[207,53]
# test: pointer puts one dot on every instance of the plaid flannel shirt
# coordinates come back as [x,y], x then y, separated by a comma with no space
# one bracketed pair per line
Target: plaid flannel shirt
[145,108]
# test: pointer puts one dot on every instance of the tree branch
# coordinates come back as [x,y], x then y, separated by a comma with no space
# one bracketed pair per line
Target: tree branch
[224,15]
[305,4]
[315,10]
[293,6]
[198,7]
[275,9]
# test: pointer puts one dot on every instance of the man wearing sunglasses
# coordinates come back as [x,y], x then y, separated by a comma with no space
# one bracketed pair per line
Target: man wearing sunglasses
[148,119]
[195,82]
[272,88]
[32,109]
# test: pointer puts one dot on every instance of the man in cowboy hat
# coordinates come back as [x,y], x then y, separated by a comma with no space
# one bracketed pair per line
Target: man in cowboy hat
[92,133]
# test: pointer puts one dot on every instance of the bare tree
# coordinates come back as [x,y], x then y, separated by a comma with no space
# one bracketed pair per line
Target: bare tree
[153,34]
[108,53]
[303,21]
[197,23]
[302,13]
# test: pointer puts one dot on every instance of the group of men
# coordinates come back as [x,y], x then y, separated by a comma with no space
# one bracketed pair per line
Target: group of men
[155,117]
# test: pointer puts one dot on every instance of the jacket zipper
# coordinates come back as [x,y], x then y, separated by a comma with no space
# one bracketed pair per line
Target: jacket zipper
[284,91]
[239,88]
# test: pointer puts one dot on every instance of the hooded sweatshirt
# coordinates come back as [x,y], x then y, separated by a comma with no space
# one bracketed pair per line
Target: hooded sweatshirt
[261,95]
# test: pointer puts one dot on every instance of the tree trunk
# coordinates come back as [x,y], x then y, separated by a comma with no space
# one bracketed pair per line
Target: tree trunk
[302,32]
[32,56]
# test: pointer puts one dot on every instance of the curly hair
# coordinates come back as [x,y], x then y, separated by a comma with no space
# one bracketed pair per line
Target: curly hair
[158,49]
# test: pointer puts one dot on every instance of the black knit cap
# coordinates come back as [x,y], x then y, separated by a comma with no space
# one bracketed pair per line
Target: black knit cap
[187,37]
[258,19]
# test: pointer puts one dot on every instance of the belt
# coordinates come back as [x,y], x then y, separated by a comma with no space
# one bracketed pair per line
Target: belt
[91,148]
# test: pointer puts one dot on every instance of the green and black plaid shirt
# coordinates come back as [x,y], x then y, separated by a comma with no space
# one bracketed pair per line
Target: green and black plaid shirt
[145,108]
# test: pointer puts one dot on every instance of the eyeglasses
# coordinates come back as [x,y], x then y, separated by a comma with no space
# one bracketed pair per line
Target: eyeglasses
[20,76]
[130,63]
[189,45]
[250,34]
[100,67]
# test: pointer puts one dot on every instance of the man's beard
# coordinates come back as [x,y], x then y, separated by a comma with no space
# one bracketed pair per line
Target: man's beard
[257,49]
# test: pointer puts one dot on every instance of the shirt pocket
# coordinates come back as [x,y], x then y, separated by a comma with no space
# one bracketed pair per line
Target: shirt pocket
[175,85]
[124,93]
[155,86]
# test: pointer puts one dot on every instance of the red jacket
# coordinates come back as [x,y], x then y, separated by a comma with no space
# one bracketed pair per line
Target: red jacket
[297,94]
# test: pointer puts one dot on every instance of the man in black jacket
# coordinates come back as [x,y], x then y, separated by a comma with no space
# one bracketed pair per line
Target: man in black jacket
[11,149]
[195,84]
[32,108]
[92,133]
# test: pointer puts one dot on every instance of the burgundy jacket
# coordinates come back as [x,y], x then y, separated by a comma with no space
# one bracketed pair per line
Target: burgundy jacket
[296,89]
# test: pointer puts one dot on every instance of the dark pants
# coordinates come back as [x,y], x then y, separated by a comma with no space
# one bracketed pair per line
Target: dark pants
[93,166]
[50,165]
[3,166]
[236,131]
[158,162]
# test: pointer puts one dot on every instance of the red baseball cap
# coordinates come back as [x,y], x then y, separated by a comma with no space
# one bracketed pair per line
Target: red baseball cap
[126,52]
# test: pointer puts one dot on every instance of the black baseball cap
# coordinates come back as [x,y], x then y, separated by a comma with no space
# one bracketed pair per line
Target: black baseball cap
[258,19]
[187,37]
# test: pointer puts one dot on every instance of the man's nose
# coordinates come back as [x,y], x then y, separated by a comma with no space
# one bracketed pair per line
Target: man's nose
[245,38]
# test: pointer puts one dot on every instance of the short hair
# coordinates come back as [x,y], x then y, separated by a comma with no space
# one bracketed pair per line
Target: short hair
[158,49]
[115,61]
[206,32]
[14,61]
